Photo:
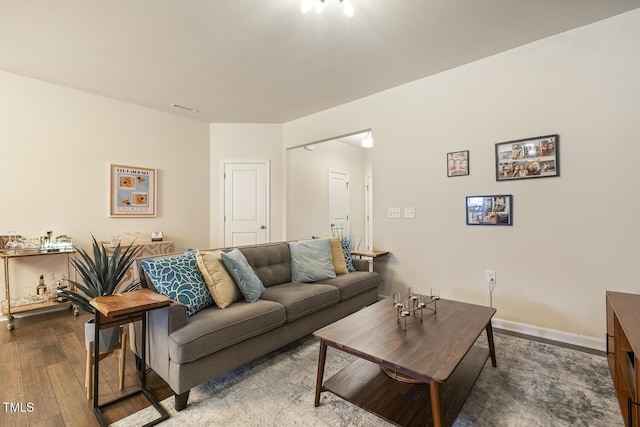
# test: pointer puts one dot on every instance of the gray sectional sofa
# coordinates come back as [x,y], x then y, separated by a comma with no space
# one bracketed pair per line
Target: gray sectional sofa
[188,351]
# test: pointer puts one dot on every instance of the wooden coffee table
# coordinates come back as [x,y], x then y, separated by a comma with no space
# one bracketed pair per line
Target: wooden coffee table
[438,355]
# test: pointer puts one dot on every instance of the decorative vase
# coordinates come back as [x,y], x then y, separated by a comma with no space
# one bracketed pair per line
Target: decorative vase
[109,338]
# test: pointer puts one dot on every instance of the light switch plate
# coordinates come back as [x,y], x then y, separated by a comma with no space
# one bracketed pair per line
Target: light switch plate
[394,213]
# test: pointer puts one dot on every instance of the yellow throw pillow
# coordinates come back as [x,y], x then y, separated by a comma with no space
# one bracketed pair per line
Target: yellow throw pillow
[220,283]
[337,256]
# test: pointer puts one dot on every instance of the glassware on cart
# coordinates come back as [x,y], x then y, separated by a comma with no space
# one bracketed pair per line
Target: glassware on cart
[11,242]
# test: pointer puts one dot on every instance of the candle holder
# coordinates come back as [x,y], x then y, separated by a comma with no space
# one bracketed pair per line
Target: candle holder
[414,305]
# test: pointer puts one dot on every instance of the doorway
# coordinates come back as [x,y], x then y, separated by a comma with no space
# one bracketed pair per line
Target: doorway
[246,203]
[317,169]
[368,235]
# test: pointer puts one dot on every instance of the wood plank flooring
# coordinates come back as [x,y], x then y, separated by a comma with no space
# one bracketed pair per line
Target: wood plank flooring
[42,368]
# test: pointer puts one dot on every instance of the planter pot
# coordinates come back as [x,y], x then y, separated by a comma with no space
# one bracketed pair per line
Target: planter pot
[109,338]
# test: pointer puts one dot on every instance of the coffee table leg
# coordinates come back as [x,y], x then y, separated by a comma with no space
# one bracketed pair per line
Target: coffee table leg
[492,348]
[436,405]
[321,359]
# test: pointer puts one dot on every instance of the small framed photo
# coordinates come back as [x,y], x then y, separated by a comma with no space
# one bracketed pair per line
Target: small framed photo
[458,163]
[490,210]
[133,191]
[528,158]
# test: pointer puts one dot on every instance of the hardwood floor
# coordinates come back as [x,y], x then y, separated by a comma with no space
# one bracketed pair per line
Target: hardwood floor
[42,368]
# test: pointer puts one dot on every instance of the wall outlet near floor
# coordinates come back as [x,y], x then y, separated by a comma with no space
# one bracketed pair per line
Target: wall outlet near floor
[409,212]
[394,213]
[490,277]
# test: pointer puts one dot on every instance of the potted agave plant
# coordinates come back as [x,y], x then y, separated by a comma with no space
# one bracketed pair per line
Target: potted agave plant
[99,275]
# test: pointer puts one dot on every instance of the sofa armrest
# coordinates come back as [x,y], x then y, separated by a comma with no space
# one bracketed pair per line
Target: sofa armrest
[361,264]
[160,324]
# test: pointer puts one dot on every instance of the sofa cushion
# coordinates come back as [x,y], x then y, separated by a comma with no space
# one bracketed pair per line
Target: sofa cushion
[179,278]
[302,299]
[221,285]
[311,261]
[354,283]
[337,256]
[271,262]
[242,273]
[213,329]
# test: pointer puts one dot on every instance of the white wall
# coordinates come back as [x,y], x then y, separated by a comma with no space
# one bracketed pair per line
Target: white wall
[237,142]
[573,237]
[308,189]
[56,145]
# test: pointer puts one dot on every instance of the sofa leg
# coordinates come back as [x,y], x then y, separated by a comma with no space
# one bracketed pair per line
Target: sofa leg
[180,400]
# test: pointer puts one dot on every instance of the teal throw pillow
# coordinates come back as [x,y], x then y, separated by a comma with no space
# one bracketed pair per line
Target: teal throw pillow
[179,278]
[311,261]
[249,283]
[346,248]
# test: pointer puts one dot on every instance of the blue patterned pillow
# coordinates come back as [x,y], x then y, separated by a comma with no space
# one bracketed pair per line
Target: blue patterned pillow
[346,248]
[179,278]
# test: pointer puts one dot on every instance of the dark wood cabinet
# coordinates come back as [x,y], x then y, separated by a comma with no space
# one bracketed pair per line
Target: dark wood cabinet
[623,351]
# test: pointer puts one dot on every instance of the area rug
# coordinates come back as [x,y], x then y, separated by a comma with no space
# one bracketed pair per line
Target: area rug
[535,384]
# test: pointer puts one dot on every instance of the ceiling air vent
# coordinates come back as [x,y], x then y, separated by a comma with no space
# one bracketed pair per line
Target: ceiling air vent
[182,107]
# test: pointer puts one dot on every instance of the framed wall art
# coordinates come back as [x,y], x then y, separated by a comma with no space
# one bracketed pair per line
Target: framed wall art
[490,210]
[528,158]
[133,191]
[458,163]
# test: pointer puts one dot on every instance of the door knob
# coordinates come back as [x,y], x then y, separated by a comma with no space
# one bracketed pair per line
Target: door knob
[262,227]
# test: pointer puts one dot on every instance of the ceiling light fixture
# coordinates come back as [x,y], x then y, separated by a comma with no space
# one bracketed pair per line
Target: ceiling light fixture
[318,5]
[367,141]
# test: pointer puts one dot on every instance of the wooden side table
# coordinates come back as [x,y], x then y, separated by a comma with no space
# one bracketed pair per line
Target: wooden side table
[116,310]
[370,256]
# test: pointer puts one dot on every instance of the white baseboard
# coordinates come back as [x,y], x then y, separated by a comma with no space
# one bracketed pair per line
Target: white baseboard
[550,334]
[546,333]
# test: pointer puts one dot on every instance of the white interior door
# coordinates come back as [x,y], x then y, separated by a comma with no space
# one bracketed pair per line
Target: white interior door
[246,203]
[339,202]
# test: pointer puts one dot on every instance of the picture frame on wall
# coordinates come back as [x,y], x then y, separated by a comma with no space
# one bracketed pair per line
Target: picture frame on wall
[458,163]
[490,210]
[133,191]
[528,158]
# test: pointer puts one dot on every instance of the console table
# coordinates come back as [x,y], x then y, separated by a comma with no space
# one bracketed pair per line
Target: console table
[370,256]
[623,352]
[116,310]
[151,248]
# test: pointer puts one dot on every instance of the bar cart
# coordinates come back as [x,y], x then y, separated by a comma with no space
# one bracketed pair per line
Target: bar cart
[38,302]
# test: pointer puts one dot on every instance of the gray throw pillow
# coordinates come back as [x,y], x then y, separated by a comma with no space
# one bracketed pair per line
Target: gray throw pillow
[250,285]
[311,261]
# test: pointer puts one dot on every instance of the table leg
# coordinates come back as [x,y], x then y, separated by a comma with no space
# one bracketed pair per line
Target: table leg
[492,348]
[96,360]
[321,360]
[371,265]
[143,351]
[436,405]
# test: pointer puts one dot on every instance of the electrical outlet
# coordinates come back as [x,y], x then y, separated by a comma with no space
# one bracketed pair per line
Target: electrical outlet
[394,213]
[409,212]
[490,276]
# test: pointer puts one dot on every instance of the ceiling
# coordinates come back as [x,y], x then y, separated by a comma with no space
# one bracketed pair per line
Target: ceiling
[262,61]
